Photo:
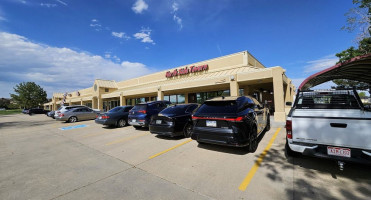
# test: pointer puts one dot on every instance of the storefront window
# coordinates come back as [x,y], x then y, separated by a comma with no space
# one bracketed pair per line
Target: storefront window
[167,98]
[173,99]
[181,98]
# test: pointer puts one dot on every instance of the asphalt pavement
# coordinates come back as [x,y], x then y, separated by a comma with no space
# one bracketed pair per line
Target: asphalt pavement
[41,158]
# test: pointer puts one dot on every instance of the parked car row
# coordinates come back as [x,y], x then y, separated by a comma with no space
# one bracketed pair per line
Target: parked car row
[230,121]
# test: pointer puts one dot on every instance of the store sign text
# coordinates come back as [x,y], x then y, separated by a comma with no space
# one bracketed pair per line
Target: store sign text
[186,70]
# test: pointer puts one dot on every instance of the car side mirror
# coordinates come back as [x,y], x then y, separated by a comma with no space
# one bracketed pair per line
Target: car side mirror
[289,103]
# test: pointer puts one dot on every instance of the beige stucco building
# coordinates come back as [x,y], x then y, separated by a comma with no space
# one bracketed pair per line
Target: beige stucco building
[230,75]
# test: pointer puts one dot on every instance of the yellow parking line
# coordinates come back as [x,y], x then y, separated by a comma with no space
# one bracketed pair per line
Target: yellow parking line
[185,142]
[257,163]
[126,139]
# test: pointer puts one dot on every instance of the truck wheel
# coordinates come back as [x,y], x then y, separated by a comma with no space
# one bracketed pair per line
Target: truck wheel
[290,152]
[121,123]
[72,119]
[253,140]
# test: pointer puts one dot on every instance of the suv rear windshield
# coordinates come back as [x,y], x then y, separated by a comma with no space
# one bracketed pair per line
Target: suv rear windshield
[140,107]
[327,100]
[177,110]
[218,107]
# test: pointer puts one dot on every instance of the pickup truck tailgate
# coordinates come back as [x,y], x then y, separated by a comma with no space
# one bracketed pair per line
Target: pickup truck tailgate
[336,127]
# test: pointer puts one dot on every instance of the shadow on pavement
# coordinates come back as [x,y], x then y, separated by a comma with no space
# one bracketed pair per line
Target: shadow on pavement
[317,178]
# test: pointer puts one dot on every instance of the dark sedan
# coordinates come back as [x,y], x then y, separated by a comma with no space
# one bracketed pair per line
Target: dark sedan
[173,121]
[117,116]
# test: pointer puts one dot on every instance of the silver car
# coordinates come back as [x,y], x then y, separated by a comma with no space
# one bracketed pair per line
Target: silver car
[77,114]
[63,109]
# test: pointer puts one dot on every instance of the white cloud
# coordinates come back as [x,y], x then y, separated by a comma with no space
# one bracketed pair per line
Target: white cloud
[176,18]
[321,64]
[121,35]
[62,2]
[2,18]
[145,36]
[175,6]
[297,82]
[56,69]
[48,5]
[96,25]
[139,6]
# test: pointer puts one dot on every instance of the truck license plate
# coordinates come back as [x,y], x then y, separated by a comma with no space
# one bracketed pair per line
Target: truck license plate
[133,120]
[337,151]
[158,121]
[211,123]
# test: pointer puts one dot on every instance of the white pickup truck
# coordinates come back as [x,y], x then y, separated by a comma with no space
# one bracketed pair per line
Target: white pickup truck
[330,124]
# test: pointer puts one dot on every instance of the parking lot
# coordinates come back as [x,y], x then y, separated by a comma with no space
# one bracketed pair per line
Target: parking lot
[46,159]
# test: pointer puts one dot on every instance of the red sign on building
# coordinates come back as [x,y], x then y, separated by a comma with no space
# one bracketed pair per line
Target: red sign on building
[186,70]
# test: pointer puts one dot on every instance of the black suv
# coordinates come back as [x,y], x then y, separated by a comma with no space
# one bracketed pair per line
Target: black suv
[173,121]
[141,114]
[231,121]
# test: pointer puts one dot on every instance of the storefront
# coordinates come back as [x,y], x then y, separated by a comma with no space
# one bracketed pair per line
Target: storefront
[230,75]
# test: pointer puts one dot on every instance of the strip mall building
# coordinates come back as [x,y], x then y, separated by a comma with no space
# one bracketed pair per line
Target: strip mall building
[231,75]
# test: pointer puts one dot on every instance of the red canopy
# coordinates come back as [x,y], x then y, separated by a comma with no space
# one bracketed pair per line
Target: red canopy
[358,69]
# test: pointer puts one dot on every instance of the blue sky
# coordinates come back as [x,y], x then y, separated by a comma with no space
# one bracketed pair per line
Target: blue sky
[63,45]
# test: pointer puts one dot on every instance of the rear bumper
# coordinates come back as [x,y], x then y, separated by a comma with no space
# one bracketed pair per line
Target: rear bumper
[164,130]
[220,136]
[105,122]
[138,123]
[61,118]
[357,155]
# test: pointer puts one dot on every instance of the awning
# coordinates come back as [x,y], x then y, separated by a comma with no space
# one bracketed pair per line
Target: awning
[358,69]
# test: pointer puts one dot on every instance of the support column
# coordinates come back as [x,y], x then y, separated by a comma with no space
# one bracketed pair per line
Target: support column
[94,104]
[160,95]
[81,102]
[234,88]
[122,100]
[100,104]
[186,97]
[279,104]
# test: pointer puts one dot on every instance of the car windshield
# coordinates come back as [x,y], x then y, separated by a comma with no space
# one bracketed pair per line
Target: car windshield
[218,107]
[116,109]
[140,107]
[177,110]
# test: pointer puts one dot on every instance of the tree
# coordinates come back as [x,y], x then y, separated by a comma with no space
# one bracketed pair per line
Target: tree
[359,18]
[4,103]
[29,95]
[362,94]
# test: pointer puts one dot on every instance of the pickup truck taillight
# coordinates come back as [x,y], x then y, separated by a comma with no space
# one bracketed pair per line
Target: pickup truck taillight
[289,129]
